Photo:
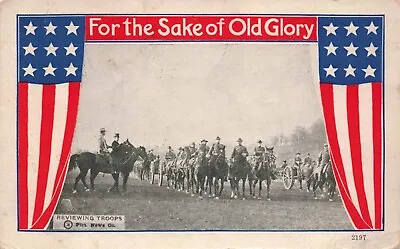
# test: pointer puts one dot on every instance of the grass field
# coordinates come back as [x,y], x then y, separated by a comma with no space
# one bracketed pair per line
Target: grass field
[150,207]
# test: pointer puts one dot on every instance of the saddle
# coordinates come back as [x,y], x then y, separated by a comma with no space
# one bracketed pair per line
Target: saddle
[104,162]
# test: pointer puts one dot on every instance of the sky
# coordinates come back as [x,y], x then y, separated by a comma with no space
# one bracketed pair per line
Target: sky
[174,94]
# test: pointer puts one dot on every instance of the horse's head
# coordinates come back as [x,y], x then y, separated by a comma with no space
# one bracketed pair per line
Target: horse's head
[142,152]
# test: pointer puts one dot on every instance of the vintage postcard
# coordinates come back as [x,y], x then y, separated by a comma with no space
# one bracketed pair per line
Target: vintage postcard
[180,125]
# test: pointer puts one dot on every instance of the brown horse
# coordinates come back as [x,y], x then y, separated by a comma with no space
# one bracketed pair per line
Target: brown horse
[200,172]
[123,160]
[263,172]
[240,170]
[327,179]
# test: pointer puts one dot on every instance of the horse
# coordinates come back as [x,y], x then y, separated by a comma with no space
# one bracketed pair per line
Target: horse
[155,169]
[123,159]
[263,172]
[212,178]
[189,173]
[240,170]
[143,169]
[220,175]
[327,178]
[305,173]
[170,167]
[200,172]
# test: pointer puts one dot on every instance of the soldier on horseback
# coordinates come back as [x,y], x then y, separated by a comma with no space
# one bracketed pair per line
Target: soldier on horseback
[169,155]
[308,160]
[259,152]
[323,160]
[217,149]
[239,150]
[103,149]
[272,159]
[203,147]
[115,144]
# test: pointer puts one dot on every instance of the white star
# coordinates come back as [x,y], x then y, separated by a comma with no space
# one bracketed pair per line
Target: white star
[369,71]
[351,29]
[71,28]
[51,49]
[71,49]
[49,70]
[30,49]
[331,49]
[371,50]
[351,50]
[330,29]
[50,29]
[350,71]
[70,70]
[371,28]
[30,29]
[29,70]
[330,71]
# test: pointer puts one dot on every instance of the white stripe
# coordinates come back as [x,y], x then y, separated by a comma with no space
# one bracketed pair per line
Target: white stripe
[340,103]
[365,109]
[60,117]
[34,124]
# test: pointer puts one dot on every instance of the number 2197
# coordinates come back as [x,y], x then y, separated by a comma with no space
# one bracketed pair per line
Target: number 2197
[358,236]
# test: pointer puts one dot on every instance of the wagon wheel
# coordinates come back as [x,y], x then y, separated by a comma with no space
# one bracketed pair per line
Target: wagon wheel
[288,179]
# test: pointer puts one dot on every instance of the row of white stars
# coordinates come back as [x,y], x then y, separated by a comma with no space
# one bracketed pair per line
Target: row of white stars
[49,70]
[71,49]
[350,71]
[351,29]
[51,29]
[351,49]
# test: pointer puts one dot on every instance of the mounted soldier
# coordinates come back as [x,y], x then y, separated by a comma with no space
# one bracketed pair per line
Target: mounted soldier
[115,144]
[259,152]
[323,160]
[308,160]
[103,151]
[169,155]
[298,161]
[269,155]
[204,148]
[239,150]
[151,155]
[217,150]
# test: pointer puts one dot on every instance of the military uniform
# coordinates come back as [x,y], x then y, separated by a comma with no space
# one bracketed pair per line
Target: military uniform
[308,161]
[203,148]
[170,155]
[323,160]
[115,145]
[103,151]
[239,150]
[259,152]
[217,149]
[298,161]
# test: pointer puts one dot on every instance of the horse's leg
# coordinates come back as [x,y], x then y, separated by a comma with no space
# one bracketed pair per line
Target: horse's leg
[222,187]
[93,174]
[254,187]
[77,179]
[301,182]
[210,186]
[314,186]
[259,189]
[268,188]
[216,187]
[124,181]
[243,188]
[250,187]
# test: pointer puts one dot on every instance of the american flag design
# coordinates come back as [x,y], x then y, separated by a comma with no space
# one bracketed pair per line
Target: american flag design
[50,61]
[50,72]
[351,76]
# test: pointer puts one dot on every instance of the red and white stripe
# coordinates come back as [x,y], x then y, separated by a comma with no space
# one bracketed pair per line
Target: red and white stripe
[46,122]
[353,119]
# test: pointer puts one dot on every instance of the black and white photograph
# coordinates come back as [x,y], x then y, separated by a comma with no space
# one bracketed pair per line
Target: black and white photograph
[208,136]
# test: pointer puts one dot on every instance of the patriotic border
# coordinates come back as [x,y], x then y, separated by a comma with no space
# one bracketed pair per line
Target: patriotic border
[214,41]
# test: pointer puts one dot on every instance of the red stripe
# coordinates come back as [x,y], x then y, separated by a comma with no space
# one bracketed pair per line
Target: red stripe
[73,100]
[353,121]
[46,131]
[337,163]
[377,150]
[23,155]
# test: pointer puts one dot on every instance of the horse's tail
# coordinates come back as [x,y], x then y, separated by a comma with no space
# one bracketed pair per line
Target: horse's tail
[73,162]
